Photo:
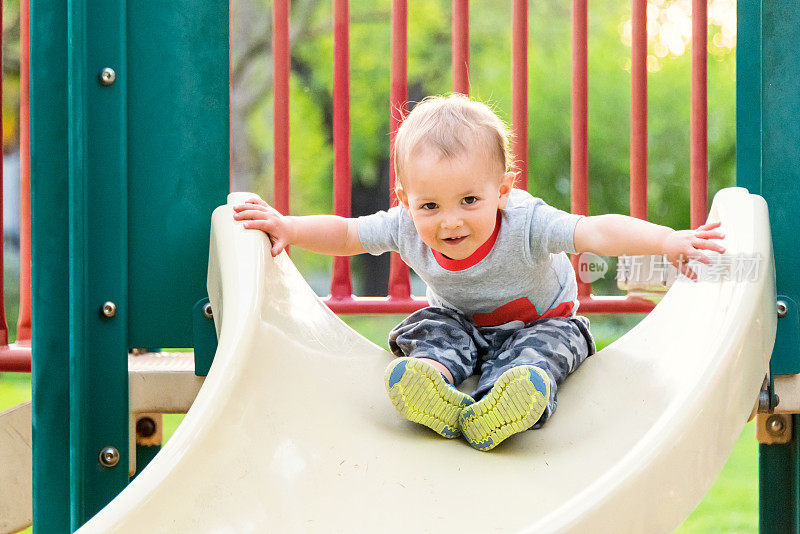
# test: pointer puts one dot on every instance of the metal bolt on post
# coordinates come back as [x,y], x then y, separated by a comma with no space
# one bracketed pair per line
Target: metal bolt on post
[775,426]
[107,76]
[109,457]
[109,309]
[145,427]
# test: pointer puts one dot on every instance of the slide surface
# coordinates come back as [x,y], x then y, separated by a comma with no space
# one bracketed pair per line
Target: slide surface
[293,432]
[15,468]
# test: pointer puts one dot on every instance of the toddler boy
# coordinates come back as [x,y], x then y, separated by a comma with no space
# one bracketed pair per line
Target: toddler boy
[501,289]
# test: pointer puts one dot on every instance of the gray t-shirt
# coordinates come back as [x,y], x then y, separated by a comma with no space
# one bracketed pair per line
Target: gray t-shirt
[523,276]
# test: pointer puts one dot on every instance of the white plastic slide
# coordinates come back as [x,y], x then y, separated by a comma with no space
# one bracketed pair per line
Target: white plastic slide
[293,432]
[15,468]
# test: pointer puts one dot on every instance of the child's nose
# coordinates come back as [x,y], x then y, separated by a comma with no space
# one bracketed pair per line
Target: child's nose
[452,221]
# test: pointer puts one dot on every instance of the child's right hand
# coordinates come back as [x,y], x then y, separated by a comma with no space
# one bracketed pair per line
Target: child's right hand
[259,215]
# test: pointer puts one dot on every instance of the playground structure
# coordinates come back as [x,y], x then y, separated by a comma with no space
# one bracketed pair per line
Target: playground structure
[131,141]
[342,461]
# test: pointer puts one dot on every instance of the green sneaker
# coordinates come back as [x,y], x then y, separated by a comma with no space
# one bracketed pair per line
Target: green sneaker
[422,395]
[514,404]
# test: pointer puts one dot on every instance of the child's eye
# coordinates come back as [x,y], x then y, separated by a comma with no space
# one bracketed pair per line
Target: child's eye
[429,206]
[469,200]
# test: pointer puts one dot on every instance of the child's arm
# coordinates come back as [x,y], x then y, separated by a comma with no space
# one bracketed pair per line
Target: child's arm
[619,235]
[324,234]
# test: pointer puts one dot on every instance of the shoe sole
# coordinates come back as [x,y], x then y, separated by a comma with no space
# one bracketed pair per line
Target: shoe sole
[420,393]
[514,404]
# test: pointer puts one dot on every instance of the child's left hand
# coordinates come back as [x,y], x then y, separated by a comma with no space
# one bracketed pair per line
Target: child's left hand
[683,245]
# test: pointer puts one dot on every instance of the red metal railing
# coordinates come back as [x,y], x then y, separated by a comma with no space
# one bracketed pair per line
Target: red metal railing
[399,299]
[698,141]
[519,90]
[639,109]
[460,46]
[399,280]
[17,356]
[341,286]
[579,127]
[280,45]
[579,151]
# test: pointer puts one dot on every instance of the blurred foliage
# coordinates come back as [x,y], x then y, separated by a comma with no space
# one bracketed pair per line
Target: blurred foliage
[10,86]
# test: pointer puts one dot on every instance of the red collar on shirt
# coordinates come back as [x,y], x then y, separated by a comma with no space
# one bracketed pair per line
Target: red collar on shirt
[482,251]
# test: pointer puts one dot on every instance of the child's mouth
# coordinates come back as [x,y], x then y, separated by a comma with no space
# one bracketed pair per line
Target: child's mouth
[454,240]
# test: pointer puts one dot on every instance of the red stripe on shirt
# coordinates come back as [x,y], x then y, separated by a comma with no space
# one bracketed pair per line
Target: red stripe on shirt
[481,252]
[521,309]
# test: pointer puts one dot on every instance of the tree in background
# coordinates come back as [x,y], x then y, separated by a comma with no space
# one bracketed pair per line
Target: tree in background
[10,76]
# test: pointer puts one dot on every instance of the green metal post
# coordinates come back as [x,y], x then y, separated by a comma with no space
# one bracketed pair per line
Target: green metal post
[778,488]
[50,275]
[768,148]
[98,253]
[748,95]
[129,150]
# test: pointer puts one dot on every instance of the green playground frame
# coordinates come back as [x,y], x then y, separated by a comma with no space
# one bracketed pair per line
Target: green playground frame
[768,145]
[124,177]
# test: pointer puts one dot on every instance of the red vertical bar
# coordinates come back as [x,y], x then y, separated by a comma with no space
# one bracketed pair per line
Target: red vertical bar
[579,156]
[579,151]
[639,110]
[399,282]
[24,322]
[399,78]
[341,286]
[699,117]
[280,44]
[519,90]
[461,46]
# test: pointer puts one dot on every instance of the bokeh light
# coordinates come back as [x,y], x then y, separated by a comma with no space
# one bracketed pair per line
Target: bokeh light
[669,29]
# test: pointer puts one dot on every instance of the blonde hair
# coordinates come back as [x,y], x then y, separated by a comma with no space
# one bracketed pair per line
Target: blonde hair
[452,125]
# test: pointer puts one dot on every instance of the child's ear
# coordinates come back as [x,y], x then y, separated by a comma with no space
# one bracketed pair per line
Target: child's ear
[401,195]
[506,184]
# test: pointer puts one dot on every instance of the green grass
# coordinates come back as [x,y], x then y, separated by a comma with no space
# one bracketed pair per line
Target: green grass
[15,388]
[730,507]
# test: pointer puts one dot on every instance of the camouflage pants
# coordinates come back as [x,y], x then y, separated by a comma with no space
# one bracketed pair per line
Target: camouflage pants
[556,345]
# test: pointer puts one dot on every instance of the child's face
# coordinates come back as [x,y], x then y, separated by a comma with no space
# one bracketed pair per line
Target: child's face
[454,202]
